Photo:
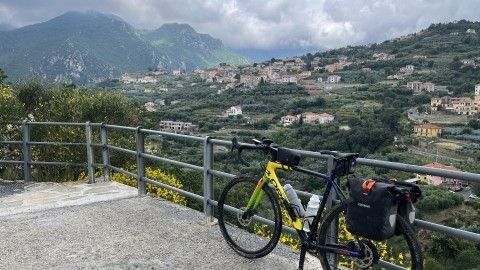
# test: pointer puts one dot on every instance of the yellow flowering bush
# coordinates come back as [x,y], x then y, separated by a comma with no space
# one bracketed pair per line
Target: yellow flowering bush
[160,176]
[285,238]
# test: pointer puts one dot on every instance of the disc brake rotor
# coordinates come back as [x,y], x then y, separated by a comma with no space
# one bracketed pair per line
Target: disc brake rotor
[244,221]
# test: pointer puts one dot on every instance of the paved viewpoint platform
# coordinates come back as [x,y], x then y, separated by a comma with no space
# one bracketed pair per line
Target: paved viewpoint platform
[107,226]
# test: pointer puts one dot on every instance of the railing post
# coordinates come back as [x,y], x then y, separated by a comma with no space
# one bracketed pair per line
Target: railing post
[333,230]
[90,168]
[140,139]
[208,208]
[105,152]
[27,169]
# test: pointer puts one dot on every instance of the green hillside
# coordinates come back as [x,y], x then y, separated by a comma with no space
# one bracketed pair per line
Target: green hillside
[184,45]
[438,51]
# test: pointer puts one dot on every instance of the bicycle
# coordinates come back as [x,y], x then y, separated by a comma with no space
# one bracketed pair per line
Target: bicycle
[246,205]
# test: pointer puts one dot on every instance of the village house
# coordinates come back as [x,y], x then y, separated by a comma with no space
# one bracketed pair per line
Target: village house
[209,80]
[458,105]
[415,86]
[333,79]
[464,106]
[315,61]
[477,94]
[127,79]
[285,79]
[418,87]
[304,75]
[147,79]
[471,31]
[233,111]
[250,80]
[427,130]
[336,66]
[468,62]
[436,103]
[428,86]
[150,107]
[395,77]
[451,184]
[316,118]
[176,72]
[383,56]
[288,120]
[178,127]
[407,69]
[204,74]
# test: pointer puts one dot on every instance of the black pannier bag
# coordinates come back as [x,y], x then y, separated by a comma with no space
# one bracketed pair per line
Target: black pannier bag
[372,209]
[288,157]
[410,193]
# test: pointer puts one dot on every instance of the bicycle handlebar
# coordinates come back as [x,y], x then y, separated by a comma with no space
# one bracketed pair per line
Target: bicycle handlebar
[258,145]
[344,161]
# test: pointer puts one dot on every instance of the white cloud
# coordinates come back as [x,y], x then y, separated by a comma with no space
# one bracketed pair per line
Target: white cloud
[265,24]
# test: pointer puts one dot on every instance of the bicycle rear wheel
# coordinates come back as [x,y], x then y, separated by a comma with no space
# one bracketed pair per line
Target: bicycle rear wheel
[244,231]
[403,249]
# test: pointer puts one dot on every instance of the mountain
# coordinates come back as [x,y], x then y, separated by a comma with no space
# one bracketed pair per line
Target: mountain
[260,55]
[6,27]
[91,46]
[75,46]
[191,49]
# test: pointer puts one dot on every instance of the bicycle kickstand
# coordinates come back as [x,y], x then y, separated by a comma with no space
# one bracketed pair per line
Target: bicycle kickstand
[303,252]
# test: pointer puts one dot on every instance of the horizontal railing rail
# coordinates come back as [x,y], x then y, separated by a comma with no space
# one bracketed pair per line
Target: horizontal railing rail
[209,203]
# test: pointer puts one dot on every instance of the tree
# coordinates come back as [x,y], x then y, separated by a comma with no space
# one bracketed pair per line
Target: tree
[432,264]
[476,188]
[468,259]
[474,123]
[3,76]
[31,93]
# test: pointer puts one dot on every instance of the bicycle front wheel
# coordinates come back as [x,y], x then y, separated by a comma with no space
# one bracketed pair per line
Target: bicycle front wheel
[402,249]
[245,230]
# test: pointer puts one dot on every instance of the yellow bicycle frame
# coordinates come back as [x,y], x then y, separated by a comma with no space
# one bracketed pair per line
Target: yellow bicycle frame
[270,176]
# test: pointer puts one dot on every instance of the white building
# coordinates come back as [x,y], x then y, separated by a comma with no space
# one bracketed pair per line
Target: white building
[150,107]
[333,79]
[471,31]
[147,79]
[429,87]
[468,62]
[288,120]
[316,118]
[407,69]
[234,110]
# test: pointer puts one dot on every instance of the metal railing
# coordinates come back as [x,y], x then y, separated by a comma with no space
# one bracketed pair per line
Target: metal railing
[209,203]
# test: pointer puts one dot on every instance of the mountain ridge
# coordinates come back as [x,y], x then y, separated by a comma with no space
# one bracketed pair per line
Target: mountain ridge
[91,46]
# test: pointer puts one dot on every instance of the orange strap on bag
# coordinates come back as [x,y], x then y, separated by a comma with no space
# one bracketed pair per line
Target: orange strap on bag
[367,186]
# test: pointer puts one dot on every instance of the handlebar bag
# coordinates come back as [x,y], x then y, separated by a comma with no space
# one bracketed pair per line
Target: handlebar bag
[288,157]
[371,209]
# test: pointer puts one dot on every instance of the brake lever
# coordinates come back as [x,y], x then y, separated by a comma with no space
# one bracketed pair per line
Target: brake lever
[241,159]
[236,145]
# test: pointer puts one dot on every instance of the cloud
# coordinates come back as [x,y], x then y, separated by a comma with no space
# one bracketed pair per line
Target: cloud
[265,24]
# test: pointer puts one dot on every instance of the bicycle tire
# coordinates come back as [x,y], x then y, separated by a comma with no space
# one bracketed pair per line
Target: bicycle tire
[404,229]
[227,226]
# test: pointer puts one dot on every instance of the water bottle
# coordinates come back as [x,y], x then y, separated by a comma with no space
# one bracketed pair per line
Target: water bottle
[294,201]
[312,209]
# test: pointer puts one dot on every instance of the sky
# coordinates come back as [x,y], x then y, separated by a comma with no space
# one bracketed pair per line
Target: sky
[262,24]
